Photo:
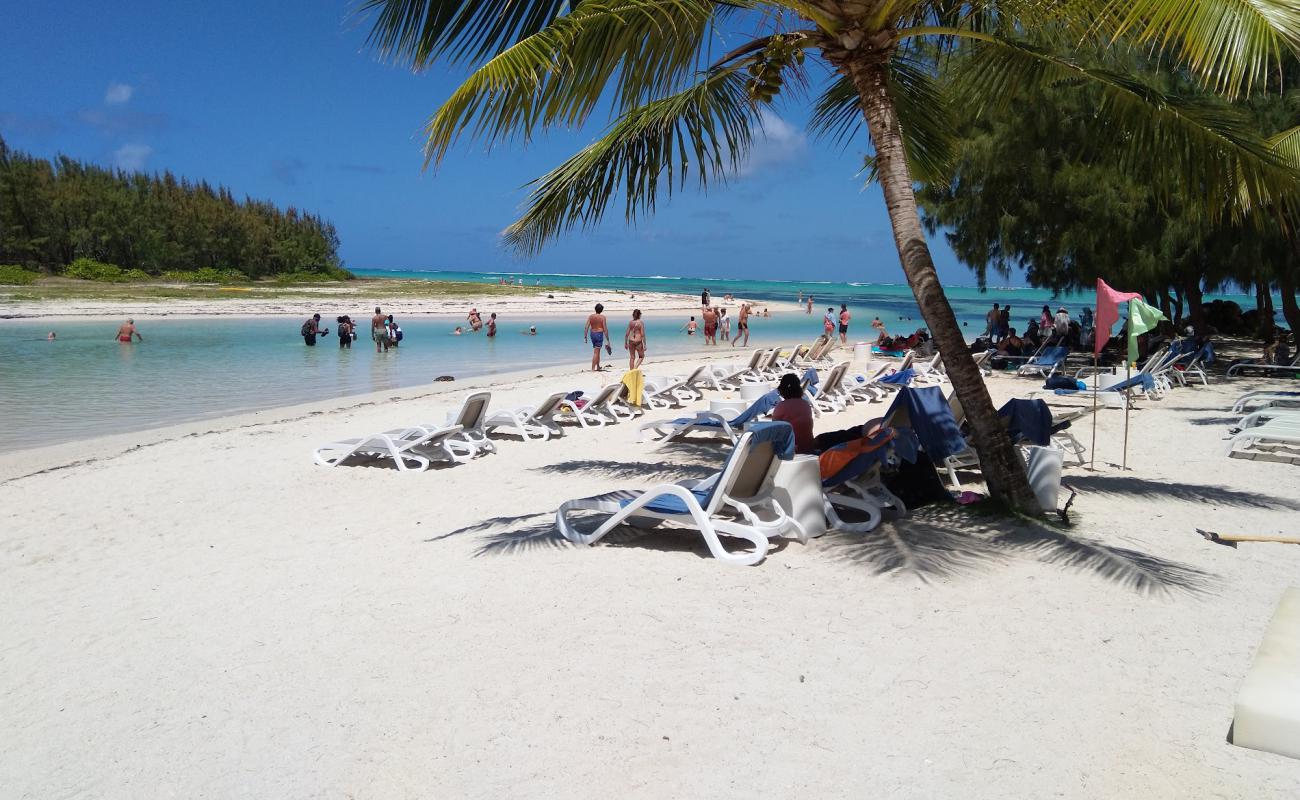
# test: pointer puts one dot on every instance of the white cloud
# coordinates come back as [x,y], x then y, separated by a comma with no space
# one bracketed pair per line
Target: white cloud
[776,143]
[132,156]
[118,93]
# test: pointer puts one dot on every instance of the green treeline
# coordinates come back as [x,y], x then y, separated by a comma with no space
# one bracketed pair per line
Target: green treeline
[113,225]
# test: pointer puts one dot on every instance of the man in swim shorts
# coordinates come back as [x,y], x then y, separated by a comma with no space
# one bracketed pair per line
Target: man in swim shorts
[597,329]
[742,325]
[126,331]
[710,326]
[379,330]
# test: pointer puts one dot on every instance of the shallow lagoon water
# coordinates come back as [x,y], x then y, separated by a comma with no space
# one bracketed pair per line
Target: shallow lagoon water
[86,384]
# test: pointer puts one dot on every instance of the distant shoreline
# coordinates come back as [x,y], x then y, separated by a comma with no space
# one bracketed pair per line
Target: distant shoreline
[72,300]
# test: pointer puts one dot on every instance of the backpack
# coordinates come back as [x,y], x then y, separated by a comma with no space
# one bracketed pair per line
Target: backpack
[306,328]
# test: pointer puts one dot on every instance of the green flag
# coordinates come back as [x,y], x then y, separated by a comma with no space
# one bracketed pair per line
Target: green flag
[1141,318]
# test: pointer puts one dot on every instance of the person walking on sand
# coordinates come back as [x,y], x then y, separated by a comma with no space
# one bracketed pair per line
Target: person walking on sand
[704,299]
[724,325]
[844,323]
[597,329]
[634,340]
[126,331]
[991,322]
[710,326]
[379,330]
[742,326]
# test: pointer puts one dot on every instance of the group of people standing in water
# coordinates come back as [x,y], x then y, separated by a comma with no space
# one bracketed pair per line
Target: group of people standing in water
[384,331]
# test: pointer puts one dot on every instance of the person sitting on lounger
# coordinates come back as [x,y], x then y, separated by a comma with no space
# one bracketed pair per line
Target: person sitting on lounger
[795,410]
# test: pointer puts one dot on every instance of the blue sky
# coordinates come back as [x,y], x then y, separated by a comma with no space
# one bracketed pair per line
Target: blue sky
[282,101]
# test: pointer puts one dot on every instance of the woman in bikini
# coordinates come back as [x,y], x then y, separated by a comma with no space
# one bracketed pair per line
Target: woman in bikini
[634,340]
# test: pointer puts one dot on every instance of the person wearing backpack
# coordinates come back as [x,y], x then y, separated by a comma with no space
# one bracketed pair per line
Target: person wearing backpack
[311,329]
[345,331]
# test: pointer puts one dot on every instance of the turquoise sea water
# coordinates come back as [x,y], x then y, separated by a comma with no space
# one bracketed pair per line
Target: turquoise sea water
[85,384]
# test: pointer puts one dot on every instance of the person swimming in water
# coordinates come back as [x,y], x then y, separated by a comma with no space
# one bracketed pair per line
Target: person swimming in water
[126,331]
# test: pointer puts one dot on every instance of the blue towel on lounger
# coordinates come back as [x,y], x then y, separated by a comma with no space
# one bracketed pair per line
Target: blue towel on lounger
[758,408]
[1049,357]
[1141,379]
[1030,420]
[899,378]
[927,413]
[779,434]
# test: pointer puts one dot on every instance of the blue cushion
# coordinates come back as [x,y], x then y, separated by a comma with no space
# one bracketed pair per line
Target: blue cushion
[668,504]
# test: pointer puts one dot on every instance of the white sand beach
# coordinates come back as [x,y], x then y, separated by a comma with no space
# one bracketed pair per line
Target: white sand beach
[202,612]
[523,301]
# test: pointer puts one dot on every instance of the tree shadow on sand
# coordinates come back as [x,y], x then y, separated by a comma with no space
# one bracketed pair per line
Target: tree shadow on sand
[938,542]
[629,470]
[511,535]
[1215,421]
[1124,485]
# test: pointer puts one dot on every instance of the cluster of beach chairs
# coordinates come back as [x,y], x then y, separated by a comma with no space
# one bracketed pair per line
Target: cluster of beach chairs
[738,501]
[741,501]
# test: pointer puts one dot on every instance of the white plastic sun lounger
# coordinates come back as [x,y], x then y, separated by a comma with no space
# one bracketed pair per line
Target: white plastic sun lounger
[750,373]
[1292,368]
[411,449]
[1276,439]
[832,395]
[1267,398]
[593,413]
[736,502]
[537,422]
[470,418]
[677,391]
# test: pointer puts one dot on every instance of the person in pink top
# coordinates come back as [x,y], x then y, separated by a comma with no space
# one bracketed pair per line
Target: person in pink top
[844,323]
[795,410]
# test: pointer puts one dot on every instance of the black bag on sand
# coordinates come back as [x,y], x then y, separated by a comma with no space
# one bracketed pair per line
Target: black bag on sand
[917,484]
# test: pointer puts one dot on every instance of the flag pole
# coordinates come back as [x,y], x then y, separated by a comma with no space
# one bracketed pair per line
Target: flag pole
[1128,401]
[1092,460]
[1128,374]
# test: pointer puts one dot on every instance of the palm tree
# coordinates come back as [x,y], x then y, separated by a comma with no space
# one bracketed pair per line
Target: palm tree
[682,114]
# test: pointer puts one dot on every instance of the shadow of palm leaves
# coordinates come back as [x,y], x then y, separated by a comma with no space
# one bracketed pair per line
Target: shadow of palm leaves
[508,535]
[629,470]
[1206,421]
[1188,492]
[947,541]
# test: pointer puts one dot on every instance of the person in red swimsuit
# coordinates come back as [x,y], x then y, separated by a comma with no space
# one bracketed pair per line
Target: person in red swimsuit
[126,331]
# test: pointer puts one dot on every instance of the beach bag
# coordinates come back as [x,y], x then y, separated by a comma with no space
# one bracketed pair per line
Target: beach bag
[916,484]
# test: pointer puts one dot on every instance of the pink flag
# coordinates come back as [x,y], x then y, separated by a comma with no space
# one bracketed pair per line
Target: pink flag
[1108,301]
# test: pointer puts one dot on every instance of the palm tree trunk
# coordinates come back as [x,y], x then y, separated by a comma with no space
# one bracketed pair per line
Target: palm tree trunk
[1003,470]
[1290,310]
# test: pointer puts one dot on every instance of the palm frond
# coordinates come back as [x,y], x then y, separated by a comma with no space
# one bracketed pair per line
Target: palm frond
[417,32]
[924,116]
[1286,145]
[1231,44]
[1206,148]
[559,75]
[706,129]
